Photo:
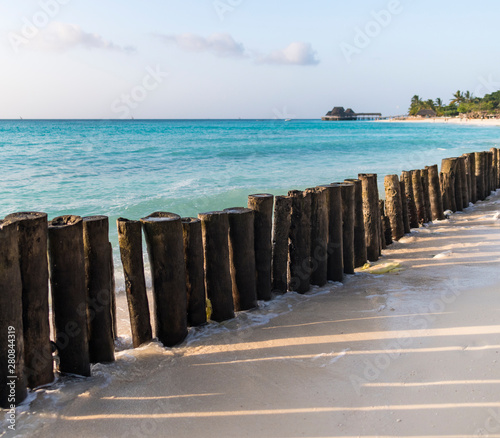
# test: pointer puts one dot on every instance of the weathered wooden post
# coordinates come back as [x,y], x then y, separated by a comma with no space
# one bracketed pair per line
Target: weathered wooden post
[32,242]
[262,204]
[215,228]
[12,381]
[348,219]
[386,226]
[281,231]
[404,204]
[498,167]
[130,241]
[98,284]
[448,186]
[242,257]
[360,252]
[195,271]
[410,199]
[494,168]
[459,188]
[113,292]
[163,232]
[480,158]
[424,173]
[435,198]
[282,207]
[371,215]
[300,241]
[462,171]
[319,236]
[470,166]
[418,194]
[393,206]
[335,244]
[490,172]
[69,294]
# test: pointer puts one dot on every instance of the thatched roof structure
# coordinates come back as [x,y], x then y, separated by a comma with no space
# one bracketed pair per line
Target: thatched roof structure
[337,111]
[426,113]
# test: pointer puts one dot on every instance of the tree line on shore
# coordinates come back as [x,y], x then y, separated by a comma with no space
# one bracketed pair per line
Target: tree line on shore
[462,103]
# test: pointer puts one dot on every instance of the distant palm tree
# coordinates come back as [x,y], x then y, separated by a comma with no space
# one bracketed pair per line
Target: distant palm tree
[468,97]
[415,100]
[439,102]
[429,103]
[458,98]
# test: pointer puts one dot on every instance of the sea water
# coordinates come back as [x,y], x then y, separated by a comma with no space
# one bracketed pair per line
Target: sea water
[136,167]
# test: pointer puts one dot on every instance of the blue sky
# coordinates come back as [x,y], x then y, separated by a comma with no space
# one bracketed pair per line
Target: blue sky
[240,58]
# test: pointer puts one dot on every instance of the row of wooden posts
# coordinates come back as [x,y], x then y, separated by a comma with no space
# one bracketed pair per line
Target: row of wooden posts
[234,257]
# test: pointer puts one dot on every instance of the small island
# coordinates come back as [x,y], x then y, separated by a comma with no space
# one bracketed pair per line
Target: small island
[339,114]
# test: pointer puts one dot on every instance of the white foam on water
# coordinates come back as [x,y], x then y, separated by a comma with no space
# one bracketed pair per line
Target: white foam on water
[443,255]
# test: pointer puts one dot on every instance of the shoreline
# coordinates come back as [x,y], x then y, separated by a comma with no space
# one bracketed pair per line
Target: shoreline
[380,354]
[445,120]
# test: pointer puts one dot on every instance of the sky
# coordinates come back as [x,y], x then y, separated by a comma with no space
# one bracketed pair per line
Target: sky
[176,59]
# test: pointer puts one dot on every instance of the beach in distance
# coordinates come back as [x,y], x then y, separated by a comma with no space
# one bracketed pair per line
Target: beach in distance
[447,120]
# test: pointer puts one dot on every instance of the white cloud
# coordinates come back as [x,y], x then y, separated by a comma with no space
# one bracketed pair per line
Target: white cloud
[294,54]
[219,44]
[59,36]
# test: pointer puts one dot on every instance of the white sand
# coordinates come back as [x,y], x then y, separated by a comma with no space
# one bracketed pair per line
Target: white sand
[412,354]
[446,120]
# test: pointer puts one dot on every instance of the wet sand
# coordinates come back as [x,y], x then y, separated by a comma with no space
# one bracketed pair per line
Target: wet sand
[409,354]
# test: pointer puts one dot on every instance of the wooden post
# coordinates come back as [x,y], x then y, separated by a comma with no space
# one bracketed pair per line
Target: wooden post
[489,172]
[215,229]
[69,294]
[300,241]
[348,219]
[424,173]
[410,199]
[480,158]
[165,244]
[360,252]
[195,271]
[498,167]
[98,284]
[319,236]
[130,241]
[113,292]
[12,381]
[470,165]
[418,194]
[386,226]
[371,215]
[262,204]
[282,207]
[393,206]
[462,171]
[435,198]
[404,204]
[494,168]
[459,188]
[38,363]
[448,187]
[242,257]
[335,244]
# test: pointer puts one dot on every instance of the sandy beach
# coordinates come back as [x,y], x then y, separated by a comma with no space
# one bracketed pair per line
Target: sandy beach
[446,120]
[412,353]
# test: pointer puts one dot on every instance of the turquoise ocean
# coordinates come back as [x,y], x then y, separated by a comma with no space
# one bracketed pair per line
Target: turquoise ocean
[135,167]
